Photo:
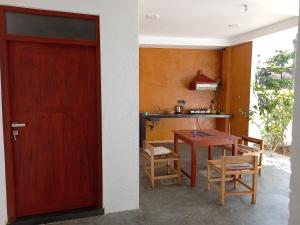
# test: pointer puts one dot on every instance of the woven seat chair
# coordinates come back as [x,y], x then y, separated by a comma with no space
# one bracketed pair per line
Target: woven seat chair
[231,168]
[161,157]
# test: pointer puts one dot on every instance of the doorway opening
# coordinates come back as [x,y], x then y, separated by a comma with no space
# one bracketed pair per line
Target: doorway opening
[272,95]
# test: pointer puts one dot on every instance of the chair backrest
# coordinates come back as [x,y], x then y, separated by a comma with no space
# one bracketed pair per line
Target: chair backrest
[148,146]
[246,139]
[247,159]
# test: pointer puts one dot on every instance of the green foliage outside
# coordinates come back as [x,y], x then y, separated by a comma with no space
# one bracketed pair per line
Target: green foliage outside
[273,88]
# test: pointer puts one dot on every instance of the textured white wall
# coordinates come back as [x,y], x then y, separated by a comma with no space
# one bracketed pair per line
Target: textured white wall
[295,177]
[119,65]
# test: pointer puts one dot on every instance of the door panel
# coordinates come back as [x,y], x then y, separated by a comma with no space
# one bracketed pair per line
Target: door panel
[234,96]
[53,90]
[241,56]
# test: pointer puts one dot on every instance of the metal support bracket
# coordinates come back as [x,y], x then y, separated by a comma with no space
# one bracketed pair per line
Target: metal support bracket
[153,122]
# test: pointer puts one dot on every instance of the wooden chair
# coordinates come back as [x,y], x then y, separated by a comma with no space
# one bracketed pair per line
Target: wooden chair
[161,157]
[230,168]
[245,149]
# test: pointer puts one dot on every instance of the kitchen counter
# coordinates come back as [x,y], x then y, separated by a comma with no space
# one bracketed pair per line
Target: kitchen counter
[155,117]
[184,115]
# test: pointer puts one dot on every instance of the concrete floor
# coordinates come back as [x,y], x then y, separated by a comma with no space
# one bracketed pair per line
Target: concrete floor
[169,203]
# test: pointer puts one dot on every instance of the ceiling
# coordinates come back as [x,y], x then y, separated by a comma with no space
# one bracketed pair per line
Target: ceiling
[206,22]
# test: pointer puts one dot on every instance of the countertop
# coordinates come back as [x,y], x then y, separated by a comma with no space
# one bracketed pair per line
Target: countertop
[150,116]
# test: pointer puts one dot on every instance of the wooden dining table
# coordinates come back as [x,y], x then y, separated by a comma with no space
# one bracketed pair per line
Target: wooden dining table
[204,138]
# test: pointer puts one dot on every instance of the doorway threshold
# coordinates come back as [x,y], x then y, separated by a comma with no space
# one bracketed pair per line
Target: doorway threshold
[59,216]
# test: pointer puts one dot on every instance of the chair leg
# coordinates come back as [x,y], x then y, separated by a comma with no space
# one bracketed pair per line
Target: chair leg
[223,152]
[254,187]
[235,177]
[260,164]
[222,191]
[152,173]
[208,171]
[260,171]
[145,164]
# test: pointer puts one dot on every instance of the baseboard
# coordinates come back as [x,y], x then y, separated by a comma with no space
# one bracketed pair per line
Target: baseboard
[56,217]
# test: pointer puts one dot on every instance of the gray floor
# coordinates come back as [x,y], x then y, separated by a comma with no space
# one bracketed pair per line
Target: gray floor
[169,203]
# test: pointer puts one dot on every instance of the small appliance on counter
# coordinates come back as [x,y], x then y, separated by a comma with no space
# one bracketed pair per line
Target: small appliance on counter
[200,111]
[179,107]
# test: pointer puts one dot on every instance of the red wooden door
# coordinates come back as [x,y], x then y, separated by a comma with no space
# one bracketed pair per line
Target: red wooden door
[53,91]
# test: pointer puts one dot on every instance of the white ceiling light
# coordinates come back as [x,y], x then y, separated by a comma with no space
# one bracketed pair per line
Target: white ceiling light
[234,25]
[245,7]
[152,16]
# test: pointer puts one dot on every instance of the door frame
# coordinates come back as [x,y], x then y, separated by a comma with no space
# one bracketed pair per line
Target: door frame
[6,107]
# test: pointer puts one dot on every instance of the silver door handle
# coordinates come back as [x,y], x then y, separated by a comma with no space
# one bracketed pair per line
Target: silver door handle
[17,125]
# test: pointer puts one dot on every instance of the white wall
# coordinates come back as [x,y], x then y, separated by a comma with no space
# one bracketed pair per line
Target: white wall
[295,177]
[119,65]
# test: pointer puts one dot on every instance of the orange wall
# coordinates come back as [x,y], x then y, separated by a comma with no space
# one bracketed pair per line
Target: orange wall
[165,75]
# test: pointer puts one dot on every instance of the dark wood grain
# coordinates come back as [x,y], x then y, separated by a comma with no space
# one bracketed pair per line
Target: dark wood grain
[99,114]
[53,85]
[9,168]
[56,153]
[37,39]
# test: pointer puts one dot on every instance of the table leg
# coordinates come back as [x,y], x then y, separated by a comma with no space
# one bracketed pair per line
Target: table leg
[175,143]
[210,152]
[193,165]
[235,147]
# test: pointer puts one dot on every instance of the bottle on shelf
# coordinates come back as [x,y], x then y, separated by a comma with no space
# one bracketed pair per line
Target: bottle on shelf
[213,109]
[194,132]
